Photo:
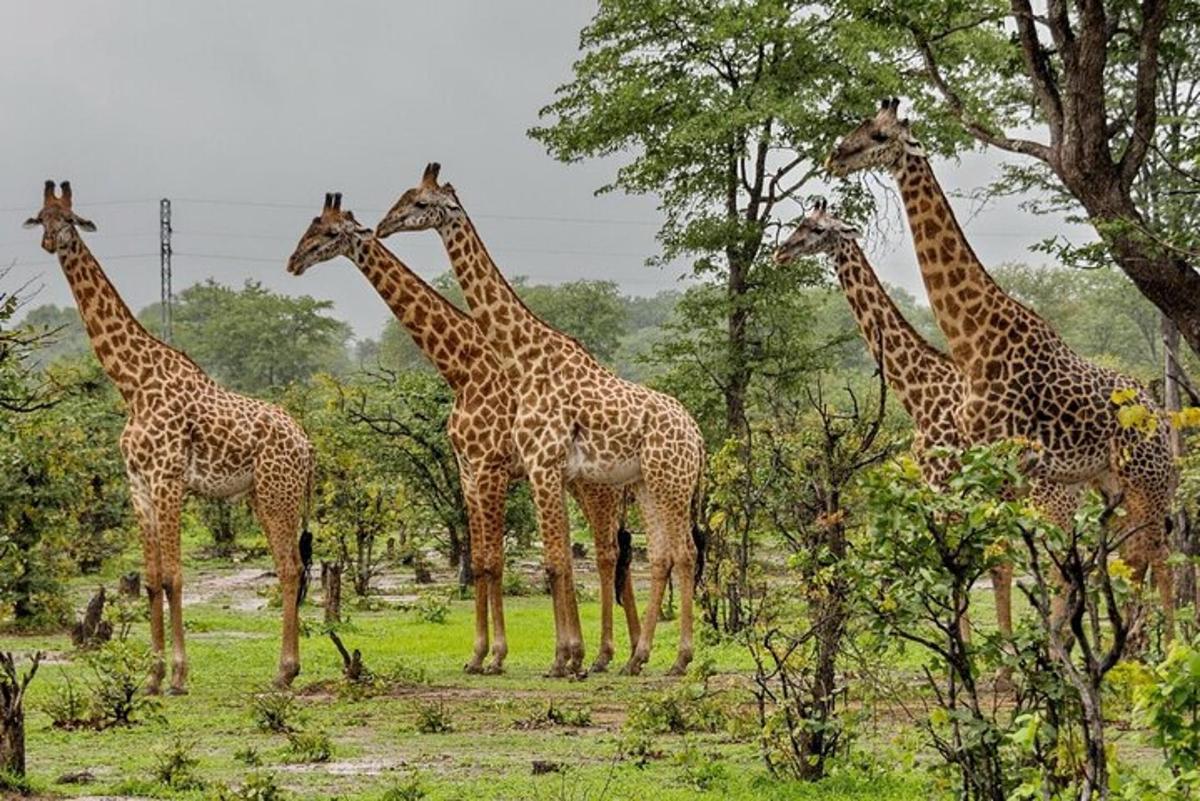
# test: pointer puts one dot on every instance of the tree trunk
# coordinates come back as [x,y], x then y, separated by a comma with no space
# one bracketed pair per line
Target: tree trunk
[737,378]
[1182,537]
[93,629]
[331,584]
[12,712]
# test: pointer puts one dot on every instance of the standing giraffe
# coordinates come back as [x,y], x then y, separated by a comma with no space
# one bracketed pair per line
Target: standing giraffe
[186,433]
[1022,379]
[923,378]
[480,426]
[575,420]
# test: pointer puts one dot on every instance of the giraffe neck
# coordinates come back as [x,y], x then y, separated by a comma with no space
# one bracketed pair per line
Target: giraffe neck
[896,346]
[121,343]
[962,293]
[447,336]
[516,335]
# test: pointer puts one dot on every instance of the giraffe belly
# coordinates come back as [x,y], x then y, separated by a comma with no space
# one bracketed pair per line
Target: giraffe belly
[210,483]
[585,465]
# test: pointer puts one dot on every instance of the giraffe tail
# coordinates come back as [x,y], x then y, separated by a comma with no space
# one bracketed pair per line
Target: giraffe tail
[699,533]
[306,541]
[624,559]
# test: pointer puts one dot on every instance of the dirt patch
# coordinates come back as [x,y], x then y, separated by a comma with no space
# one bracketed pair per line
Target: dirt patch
[239,588]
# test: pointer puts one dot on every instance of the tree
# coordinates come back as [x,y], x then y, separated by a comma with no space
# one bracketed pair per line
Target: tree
[254,340]
[63,328]
[1090,74]
[724,111]
[65,505]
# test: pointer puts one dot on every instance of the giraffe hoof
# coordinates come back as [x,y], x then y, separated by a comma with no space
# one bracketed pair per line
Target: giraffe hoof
[632,668]
[177,691]
[599,666]
[556,671]
[579,675]
[153,690]
[493,669]
[472,669]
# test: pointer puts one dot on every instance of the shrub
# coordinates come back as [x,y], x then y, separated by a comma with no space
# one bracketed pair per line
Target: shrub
[432,607]
[248,756]
[701,772]
[407,789]
[274,710]
[309,747]
[256,787]
[67,708]
[555,715]
[175,767]
[434,718]
[119,670]
[687,707]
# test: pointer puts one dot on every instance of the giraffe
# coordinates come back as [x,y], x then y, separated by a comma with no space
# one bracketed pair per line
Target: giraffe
[186,434]
[576,420]
[480,427]
[924,379]
[1022,380]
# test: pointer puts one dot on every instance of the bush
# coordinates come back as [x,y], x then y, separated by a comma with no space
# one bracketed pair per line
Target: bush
[175,767]
[554,715]
[248,756]
[1170,707]
[701,772]
[687,707]
[434,718]
[408,789]
[119,670]
[306,747]
[432,607]
[256,787]
[67,708]
[274,710]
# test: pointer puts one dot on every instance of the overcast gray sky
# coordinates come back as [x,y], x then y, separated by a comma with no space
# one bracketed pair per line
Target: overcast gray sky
[245,113]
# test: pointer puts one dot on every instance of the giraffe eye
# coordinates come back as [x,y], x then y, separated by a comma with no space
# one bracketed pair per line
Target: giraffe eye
[879,136]
[421,204]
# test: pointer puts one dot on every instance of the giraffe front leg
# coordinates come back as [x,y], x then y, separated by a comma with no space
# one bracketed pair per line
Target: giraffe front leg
[168,504]
[602,508]
[475,532]
[492,493]
[547,485]
[277,506]
[143,507]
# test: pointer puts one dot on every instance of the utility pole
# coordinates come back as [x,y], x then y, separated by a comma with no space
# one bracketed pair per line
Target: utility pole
[164,262]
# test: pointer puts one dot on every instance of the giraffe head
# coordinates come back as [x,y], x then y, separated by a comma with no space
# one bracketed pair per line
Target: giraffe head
[878,141]
[57,219]
[426,205]
[819,232]
[331,234]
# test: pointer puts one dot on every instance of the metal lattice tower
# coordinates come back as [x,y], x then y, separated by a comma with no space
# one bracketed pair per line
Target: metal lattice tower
[164,260]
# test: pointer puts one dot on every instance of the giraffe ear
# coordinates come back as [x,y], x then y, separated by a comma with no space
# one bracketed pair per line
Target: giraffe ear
[82,224]
[32,222]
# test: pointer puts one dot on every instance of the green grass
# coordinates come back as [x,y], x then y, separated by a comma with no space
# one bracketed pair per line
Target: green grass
[376,743]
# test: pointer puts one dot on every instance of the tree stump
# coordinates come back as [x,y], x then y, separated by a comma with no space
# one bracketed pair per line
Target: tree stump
[331,584]
[130,585]
[12,712]
[352,664]
[93,630]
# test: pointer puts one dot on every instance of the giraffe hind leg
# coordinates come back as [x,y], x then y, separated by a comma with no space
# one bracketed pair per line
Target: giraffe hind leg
[277,499]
